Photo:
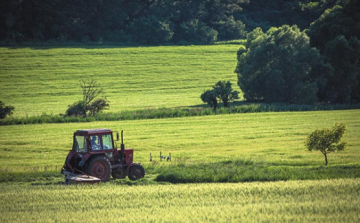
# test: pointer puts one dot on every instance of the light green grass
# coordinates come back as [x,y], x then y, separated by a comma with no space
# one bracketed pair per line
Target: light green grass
[41,80]
[46,80]
[275,138]
[294,201]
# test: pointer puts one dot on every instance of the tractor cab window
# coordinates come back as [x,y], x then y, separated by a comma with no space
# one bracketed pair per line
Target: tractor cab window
[80,144]
[107,142]
[95,143]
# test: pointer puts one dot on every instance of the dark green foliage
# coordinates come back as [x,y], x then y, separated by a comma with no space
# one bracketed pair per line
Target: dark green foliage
[327,140]
[5,110]
[337,35]
[137,21]
[77,109]
[89,106]
[266,14]
[195,31]
[280,66]
[150,30]
[209,97]
[97,106]
[223,91]
[230,29]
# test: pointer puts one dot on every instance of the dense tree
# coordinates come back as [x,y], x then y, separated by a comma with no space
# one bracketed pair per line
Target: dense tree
[280,66]
[337,35]
[327,140]
[194,31]
[209,97]
[225,92]
[139,21]
[266,14]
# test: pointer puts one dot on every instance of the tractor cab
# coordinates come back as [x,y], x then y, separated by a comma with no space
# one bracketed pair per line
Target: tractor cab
[94,141]
[94,153]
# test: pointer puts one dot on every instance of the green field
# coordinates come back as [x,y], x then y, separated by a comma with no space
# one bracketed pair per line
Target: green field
[239,148]
[276,138]
[46,80]
[294,201]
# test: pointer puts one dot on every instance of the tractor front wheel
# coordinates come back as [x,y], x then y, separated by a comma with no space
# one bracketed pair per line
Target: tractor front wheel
[136,172]
[99,167]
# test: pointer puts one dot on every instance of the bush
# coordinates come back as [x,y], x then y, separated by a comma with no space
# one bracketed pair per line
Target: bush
[5,110]
[77,109]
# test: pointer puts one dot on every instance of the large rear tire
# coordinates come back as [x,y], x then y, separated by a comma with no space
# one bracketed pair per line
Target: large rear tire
[99,167]
[136,172]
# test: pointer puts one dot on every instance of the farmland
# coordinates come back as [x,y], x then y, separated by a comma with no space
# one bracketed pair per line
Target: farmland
[309,201]
[31,190]
[265,146]
[42,80]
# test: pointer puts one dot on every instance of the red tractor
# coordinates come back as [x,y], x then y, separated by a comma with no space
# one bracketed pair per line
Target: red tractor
[94,154]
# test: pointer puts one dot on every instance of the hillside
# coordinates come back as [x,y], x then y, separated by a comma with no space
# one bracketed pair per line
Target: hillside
[46,80]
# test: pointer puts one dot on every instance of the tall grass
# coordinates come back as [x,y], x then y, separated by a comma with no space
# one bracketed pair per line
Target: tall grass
[249,171]
[295,201]
[175,113]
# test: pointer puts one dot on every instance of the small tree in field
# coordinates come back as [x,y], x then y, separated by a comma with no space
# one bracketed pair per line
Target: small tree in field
[209,97]
[327,140]
[89,106]
[223,91]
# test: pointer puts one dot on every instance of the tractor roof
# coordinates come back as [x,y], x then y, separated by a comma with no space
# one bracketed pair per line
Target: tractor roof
[93,131]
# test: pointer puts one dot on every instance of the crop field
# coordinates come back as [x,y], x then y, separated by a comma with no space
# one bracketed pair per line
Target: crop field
[293,201]
[250,167]
[46,80]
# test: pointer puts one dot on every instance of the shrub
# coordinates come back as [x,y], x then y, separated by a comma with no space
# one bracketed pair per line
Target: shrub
[5,110]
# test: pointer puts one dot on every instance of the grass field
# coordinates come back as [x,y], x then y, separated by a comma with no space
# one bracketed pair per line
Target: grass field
[271,138]
[219,148]
[294,201]
[46,80]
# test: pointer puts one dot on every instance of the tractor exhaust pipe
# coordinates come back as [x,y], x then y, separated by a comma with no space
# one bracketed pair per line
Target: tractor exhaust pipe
[122,143]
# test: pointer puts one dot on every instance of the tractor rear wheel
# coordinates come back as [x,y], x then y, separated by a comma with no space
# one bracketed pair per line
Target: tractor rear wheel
[136,172]
[99,167]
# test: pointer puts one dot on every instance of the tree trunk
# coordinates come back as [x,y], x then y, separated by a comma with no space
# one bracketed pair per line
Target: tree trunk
[326,161]
[226,103]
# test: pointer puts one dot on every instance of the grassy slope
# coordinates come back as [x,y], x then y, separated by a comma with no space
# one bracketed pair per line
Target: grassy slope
[37,80]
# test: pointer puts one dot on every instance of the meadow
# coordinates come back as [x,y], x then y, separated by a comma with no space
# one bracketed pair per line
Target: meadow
[41,80]
[269,174]
[262,140]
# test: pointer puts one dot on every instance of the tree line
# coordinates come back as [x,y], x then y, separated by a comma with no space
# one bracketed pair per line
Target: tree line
[136,21]
[149,21]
